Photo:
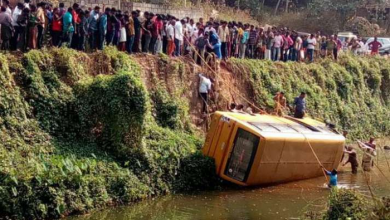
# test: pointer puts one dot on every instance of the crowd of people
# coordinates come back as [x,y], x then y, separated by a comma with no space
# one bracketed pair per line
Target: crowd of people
[28,26]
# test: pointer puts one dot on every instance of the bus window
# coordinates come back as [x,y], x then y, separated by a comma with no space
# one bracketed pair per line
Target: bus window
[242,156]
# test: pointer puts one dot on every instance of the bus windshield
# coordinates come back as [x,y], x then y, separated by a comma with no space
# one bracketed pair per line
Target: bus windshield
[242,156]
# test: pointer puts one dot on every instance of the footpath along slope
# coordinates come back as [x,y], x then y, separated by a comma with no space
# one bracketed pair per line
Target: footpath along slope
[84,131]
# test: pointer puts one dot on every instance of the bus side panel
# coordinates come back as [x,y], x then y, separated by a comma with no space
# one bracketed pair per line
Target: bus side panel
[268,161]
[297,160]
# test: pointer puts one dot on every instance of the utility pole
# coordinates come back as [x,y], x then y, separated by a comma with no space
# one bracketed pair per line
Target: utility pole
[277,7]
[287,1]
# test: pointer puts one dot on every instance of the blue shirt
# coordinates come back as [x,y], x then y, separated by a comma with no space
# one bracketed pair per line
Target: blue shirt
[245,37]
[300,104]
[50,16]
[333,178]
[67,22]
[216,45]
[103,24]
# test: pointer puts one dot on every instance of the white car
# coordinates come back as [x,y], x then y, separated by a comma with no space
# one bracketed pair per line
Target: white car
[345,36]
[384,41]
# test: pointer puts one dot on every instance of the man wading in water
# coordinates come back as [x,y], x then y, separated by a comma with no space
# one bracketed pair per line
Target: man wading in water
[352,158]
[333,177]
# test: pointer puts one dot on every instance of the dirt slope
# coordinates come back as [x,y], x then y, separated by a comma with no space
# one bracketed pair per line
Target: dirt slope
[180,78]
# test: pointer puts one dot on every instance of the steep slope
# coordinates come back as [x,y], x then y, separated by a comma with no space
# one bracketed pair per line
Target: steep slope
[76,136]
[353,93]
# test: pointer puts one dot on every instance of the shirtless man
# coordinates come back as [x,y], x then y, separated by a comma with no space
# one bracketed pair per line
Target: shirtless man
[352,159]
[280,103]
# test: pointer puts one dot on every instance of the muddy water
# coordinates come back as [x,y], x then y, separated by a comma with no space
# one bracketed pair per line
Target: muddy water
[284,201]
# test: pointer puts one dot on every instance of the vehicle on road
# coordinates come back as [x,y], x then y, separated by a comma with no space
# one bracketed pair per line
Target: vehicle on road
[345,36]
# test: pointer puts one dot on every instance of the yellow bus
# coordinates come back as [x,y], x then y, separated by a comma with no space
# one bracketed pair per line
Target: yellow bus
[265,149]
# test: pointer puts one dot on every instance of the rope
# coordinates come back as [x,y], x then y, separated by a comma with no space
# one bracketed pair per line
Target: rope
[315,155]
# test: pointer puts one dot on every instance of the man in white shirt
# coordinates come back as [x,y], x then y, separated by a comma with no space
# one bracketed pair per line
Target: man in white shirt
[15,15]
[194,36]
[311,43]
[204,90]
[223,33]
[210,28]
[6,6]
[297,48]
[179,36]
[171,37]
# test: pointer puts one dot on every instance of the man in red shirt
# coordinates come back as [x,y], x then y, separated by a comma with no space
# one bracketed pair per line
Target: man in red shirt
[375,45]
[156,34]
[371,143]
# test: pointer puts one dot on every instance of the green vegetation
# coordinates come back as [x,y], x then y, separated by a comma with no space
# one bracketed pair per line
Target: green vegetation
[76,136]
[344,204]
[353,93]
[351,204]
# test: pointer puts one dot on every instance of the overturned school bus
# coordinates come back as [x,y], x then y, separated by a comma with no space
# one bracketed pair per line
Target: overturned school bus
[265,149]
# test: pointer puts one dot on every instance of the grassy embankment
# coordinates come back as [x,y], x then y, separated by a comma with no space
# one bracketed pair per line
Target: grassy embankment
[79,132]
[353,93]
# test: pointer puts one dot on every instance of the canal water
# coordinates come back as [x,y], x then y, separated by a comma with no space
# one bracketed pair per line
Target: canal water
[284,201]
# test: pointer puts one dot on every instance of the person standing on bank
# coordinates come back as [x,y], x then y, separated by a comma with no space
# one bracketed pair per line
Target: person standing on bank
[300,106]
[204,90]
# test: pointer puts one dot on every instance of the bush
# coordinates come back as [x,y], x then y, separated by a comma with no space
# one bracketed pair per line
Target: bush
[346,204]
[111,111]
[196,173]
[72,140]
[166,110]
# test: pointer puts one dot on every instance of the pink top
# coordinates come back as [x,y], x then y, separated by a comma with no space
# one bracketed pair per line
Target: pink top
[278,41]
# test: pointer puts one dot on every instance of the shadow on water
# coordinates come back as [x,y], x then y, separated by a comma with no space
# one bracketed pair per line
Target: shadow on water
[285,201]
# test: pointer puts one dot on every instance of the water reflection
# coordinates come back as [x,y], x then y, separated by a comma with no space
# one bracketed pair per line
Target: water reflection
[285,201]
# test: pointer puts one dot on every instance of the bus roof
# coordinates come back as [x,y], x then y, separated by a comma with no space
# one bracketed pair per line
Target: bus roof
[272,123]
